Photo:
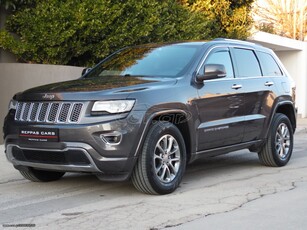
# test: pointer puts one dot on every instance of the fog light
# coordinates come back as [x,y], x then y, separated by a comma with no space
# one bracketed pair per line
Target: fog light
[113,138]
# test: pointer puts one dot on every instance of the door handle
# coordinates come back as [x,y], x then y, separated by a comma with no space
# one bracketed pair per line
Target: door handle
[269,83]
[235,86]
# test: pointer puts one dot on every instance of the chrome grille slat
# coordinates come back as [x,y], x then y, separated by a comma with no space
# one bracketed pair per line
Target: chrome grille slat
[75,111]
[65,110]
[38,111]
[53,111]
[43,112]
[34,111]
[26,111]
[30,111]
[49,112]
[18,111]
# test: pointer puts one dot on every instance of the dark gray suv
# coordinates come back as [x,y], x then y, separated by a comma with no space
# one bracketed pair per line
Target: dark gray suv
[146,111]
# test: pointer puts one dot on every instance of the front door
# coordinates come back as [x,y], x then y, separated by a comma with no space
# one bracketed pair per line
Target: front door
[220,106]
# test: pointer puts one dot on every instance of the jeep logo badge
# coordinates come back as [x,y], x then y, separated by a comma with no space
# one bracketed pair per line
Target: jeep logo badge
[49,96]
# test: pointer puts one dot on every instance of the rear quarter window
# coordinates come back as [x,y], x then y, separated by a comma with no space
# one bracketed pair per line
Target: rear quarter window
[269,65]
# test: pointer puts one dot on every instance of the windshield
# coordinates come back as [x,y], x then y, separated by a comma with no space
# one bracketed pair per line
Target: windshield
[162,61]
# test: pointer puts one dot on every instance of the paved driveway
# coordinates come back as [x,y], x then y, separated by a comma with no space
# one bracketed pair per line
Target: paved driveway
[231,191]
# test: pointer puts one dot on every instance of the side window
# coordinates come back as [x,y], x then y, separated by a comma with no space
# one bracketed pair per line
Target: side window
[247,63]
[269,65]
[221,57]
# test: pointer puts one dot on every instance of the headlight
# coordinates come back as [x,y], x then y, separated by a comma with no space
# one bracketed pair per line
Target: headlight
[118,106]
[13,104]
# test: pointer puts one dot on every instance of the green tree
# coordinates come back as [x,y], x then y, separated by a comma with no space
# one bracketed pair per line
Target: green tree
[227,18]
[82,32]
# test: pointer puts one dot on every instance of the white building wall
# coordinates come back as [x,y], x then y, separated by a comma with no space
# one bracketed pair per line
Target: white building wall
[293,54]
[295,63]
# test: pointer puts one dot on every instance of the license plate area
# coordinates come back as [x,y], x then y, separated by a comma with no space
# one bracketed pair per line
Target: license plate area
[39,134]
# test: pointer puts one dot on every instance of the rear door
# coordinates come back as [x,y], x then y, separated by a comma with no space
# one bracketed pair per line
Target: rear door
[258,89]
[220,105]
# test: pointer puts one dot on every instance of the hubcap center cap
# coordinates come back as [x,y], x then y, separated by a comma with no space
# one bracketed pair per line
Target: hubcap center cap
[165,158]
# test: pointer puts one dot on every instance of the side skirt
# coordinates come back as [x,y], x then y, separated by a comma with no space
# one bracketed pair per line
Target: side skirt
[226,149]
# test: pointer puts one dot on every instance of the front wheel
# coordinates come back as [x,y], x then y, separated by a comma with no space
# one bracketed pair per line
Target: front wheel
[278,148]
[161,164]
[36,175]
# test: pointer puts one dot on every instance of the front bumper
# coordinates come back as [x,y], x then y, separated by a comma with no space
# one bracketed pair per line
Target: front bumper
[81,147]
[48,159]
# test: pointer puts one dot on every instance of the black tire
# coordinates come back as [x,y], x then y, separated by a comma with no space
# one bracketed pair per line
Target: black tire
[36,175]
[159,170]
[278,148]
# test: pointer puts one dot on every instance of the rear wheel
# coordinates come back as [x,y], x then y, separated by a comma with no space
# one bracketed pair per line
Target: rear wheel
[278,148]
[161,164]
[36,175]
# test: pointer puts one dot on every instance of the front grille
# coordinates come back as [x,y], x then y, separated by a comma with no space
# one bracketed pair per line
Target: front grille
[50,112]
[69,157]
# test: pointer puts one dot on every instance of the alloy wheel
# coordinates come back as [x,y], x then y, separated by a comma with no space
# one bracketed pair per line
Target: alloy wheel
[167,158]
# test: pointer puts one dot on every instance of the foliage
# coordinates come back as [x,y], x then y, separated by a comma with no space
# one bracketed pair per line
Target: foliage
[82,32]
[227,18]
[266,27]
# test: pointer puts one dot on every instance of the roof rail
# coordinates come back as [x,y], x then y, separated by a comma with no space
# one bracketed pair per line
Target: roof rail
[236,40]
[219,39]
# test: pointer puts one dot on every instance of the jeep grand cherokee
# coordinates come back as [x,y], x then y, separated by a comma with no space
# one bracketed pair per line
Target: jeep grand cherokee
[144,112]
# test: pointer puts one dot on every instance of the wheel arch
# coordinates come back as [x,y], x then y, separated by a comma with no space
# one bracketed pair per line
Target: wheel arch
[181,119]
[287,108]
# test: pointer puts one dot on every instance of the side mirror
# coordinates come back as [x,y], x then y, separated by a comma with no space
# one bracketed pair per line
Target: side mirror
[85,71]
[212,71]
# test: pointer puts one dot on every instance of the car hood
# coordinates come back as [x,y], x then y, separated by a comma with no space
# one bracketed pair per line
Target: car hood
[92,89]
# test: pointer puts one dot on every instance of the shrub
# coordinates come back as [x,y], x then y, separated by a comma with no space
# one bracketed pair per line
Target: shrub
[82,32]
[76,32]
[227,18]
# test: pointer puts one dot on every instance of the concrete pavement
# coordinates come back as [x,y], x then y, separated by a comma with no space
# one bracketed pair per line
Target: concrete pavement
[281,210]
[301,124]
[231,191]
